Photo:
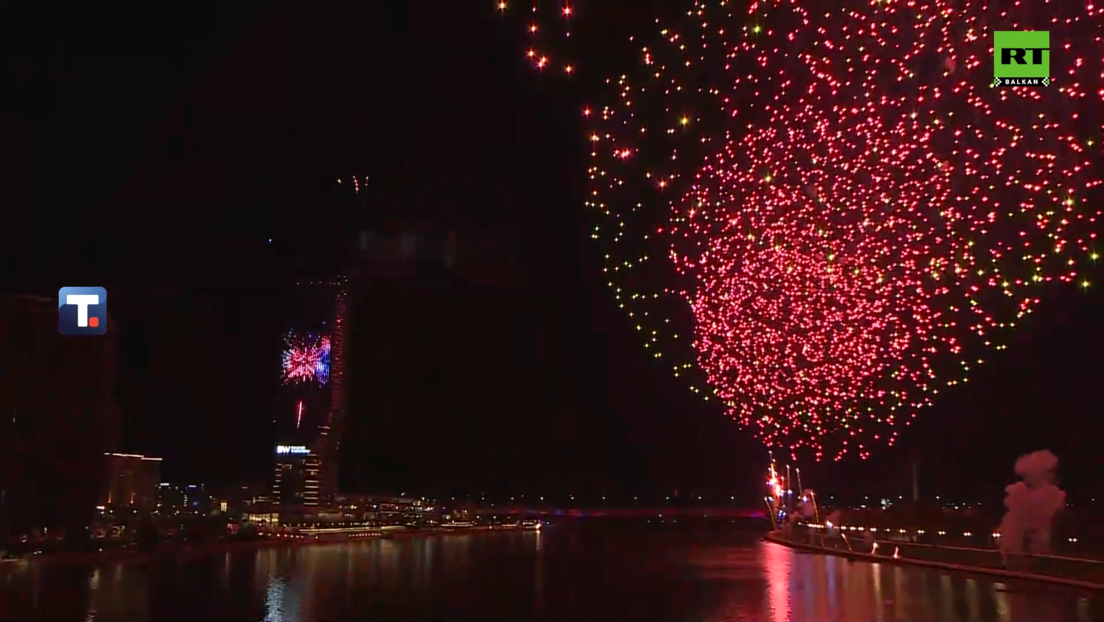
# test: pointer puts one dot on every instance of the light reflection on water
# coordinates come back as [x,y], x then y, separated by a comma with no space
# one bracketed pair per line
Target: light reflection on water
[972,598]
[1004,612]
[281,603]
[779,584]
[947,610]
[879,598]
[606,572]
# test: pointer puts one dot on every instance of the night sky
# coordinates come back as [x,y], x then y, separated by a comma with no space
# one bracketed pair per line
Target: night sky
[157,155]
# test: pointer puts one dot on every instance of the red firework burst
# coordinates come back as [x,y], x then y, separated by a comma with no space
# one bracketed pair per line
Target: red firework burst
[306,359]
[813,272]
[852,211]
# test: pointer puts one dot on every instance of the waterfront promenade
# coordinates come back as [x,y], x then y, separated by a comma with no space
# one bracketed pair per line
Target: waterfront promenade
[1079,572]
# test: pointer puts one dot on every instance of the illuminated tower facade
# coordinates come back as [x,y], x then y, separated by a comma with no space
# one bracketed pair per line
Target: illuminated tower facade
[339,396]
[311,409]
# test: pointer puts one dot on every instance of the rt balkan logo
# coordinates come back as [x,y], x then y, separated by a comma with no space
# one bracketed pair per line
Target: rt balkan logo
[1021,58]
[82,310]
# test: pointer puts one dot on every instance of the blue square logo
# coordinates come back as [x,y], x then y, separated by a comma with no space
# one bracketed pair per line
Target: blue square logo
[82,310]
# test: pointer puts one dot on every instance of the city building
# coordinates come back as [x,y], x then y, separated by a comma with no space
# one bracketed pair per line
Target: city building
[176,499]
[197,499]
[170,498]
[132,482]
[297,478]
[58,419]
[312,402]
[237,499]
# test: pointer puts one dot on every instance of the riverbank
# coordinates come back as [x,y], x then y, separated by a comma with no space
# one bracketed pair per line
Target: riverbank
[190,552]
[1081,573]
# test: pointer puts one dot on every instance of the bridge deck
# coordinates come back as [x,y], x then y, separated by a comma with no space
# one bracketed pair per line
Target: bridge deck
[622,512]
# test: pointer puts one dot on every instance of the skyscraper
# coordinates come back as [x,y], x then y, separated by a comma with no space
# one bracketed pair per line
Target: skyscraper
[312,404]
[58,417]
[313,399]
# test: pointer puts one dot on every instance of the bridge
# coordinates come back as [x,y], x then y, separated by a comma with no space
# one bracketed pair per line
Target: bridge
[691,512]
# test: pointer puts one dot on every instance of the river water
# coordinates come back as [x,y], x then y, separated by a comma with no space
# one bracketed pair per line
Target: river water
[596,571]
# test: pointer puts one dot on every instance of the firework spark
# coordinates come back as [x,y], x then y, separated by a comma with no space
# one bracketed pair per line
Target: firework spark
[306,359]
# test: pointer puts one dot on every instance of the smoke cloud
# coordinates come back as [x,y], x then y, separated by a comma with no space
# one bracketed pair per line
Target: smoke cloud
[1032,504]
[807,507]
